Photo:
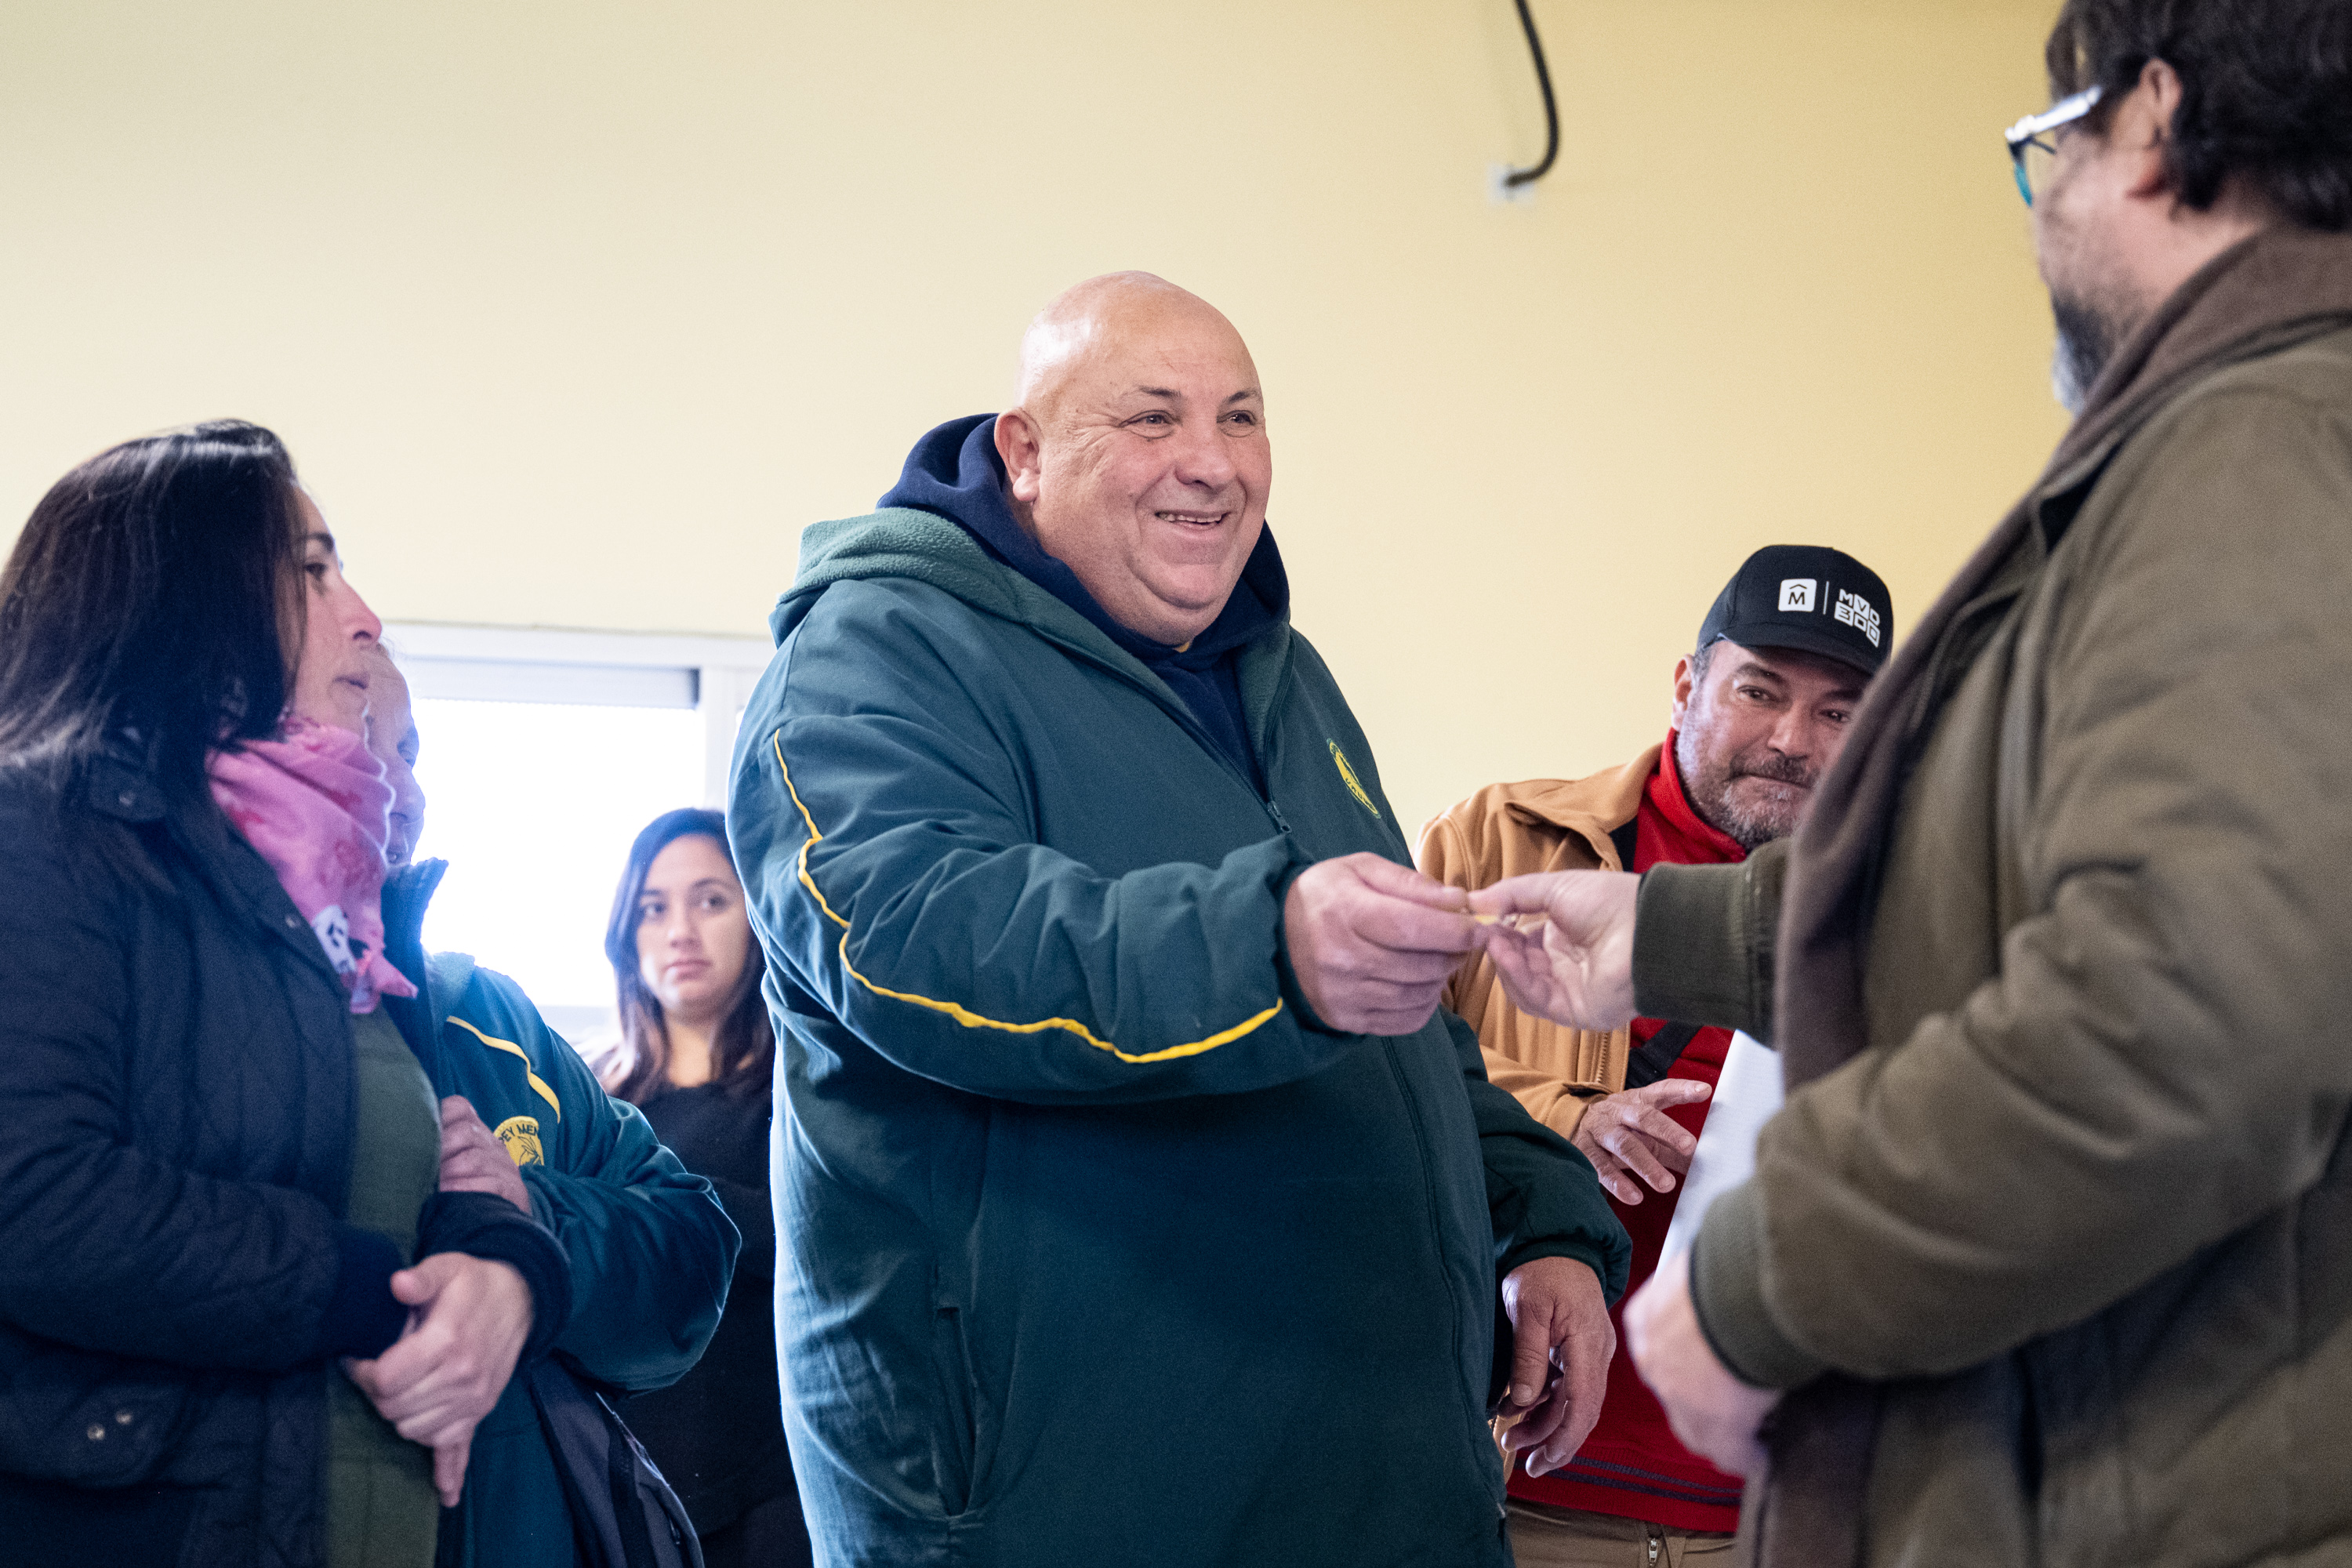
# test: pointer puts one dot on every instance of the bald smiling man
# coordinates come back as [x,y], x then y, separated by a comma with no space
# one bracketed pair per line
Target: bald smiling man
[1138,1205]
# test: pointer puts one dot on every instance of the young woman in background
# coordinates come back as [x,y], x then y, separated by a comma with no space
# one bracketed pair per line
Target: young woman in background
[694,1054]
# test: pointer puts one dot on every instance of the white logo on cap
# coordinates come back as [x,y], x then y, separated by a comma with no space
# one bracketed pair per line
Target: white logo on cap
[1797,593]
[1855,611]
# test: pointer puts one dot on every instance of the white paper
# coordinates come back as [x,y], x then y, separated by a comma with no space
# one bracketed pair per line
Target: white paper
[1746,1097]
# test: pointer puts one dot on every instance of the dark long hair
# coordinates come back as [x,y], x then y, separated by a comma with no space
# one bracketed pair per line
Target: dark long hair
[743,1047]
[151,601]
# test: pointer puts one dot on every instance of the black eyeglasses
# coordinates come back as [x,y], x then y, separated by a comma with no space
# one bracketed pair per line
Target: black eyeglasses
[2030,150]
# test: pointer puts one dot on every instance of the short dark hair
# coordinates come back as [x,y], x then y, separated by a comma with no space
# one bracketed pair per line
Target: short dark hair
[2266,92]
[744,1048]
[152,602]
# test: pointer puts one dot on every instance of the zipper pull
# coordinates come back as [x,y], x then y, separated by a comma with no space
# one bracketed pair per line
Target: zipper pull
[1276,812]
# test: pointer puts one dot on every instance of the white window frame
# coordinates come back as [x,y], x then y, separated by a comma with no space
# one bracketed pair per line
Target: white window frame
[711,675]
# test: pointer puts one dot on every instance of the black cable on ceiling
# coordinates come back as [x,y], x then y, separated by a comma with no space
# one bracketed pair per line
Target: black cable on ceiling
[1519,177]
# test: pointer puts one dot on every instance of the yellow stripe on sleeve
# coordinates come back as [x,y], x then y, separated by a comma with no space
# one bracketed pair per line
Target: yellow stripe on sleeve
[964,1015]
[496,1044]
[777,740]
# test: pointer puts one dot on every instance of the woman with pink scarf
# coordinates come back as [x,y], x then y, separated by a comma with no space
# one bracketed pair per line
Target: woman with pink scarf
[242,1317]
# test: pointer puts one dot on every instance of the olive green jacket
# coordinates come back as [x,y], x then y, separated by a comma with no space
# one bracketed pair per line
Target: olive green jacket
[2054,1238]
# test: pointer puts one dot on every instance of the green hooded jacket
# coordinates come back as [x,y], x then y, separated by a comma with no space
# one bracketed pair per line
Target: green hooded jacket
[650,1247]
[1096,1245]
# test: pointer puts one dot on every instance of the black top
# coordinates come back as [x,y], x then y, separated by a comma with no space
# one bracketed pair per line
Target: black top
[717,1433]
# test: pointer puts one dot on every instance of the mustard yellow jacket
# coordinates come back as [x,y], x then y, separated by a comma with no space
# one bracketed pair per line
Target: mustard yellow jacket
[1511,830]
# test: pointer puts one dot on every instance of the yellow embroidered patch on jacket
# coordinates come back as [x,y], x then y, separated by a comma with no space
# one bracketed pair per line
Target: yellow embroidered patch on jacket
[521,1135]
[1348,777]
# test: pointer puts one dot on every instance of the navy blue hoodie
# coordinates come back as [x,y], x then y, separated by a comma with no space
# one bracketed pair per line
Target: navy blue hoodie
[954,470]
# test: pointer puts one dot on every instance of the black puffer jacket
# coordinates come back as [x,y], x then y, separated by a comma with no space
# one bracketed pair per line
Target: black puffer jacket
[176,1083]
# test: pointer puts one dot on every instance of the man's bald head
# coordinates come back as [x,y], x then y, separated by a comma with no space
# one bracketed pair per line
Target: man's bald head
[1136,451]
[1100,315]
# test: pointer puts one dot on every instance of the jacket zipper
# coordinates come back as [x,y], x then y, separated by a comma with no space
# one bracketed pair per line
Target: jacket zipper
[1396,1068]
[1184,720]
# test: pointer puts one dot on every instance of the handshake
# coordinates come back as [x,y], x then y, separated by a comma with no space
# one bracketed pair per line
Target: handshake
[1373,942]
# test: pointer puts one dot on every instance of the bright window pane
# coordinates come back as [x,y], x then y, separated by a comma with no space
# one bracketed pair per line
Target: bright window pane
[533,806]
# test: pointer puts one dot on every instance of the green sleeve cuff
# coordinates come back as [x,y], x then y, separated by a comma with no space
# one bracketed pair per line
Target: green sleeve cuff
[1705,938]
[1608,1269]
[1728,1293]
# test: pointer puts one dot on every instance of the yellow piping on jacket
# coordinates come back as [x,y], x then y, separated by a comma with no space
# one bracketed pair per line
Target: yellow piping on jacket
[1348,777]
[496,1044]
[963,1016]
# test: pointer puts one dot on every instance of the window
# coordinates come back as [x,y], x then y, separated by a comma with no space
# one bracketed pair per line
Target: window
[543,753]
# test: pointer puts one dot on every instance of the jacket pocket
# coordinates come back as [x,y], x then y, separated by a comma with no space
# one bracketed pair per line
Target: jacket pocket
[954,1438]
[89,1419]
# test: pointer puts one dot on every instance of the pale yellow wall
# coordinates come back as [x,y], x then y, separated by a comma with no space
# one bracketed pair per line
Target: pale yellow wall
[575,311]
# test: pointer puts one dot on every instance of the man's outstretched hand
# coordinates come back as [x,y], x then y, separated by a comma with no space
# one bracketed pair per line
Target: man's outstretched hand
[1372,942]
[1575,966]
[1562,1340]
[1629,1134]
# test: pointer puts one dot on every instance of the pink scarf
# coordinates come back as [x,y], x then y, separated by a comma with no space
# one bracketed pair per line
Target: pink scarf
[317,807]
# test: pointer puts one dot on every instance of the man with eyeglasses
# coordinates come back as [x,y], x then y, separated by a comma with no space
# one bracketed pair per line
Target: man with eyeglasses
[2048,1259]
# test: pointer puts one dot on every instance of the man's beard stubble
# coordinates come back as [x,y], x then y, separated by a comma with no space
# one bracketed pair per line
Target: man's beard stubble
[2086,341]
[1708,788]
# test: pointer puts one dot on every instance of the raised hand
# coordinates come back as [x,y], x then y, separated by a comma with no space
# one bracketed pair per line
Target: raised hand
[1628,1134]
[1561,1340]
[1575,966]
[1372,942]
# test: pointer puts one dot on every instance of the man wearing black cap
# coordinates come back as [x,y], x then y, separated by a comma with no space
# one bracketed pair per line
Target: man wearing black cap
[1760,708]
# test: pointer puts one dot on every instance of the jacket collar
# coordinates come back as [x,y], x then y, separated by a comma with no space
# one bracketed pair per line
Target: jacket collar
[955,471]
[407,893]
[926,547]
[2267,292]
[440,978]
[1592,807]
[121,786]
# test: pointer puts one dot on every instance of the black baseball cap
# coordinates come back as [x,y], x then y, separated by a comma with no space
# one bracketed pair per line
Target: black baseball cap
[1808,597]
